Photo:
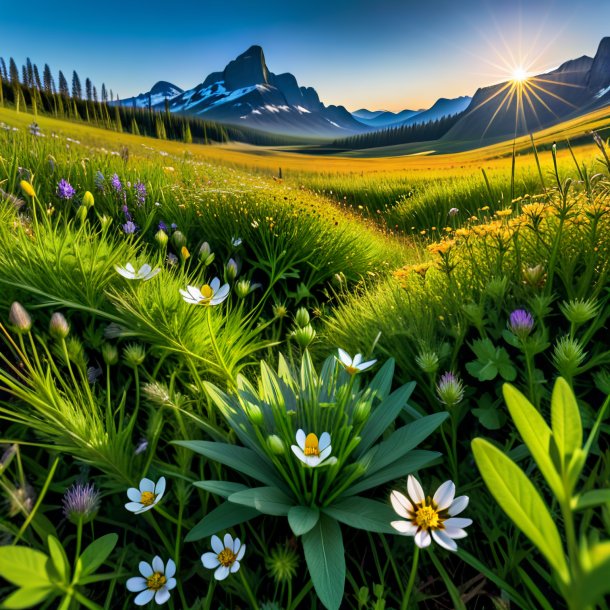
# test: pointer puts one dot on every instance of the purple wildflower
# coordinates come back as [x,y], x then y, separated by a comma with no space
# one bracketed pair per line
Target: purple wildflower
[116,183]
[521,323]
[174,226]
[81,502]
[65,190]
[162,226]
[130,227]
[100,181]
[140,189]
[450,389]
[126,212]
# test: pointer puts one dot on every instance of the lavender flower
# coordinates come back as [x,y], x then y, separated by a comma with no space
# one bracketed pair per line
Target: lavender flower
[65,190]
[130,227]
[100,181]
[450,389]
[116,183]
[520,323]
[81,503]
[162,226]
[174,226]
[140,190]
[126,212]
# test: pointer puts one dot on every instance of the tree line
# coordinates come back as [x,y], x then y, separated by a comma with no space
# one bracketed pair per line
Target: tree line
[25,90]
[402,134]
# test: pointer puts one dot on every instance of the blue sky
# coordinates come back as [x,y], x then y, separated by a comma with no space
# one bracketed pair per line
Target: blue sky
[390,54]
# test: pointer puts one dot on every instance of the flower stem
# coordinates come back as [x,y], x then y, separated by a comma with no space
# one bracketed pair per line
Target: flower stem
[407,596]
[249,593]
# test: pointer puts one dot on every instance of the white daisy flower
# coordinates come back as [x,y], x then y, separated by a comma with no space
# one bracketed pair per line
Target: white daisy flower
[226,556]
[145,272]
[310,450]
[209,294]
[354,365]
[146,496]
[156,582]
[429,518]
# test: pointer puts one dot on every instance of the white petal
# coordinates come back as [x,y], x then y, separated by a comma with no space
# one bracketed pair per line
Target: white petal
[416,493]
[324,454]
[458,505]
[171,583]
[345,358]
[240,554]
[455,532]
[444,495]
[124,272]
[134,494]
[149,276]
[221,573]
[143,598]
[422,539]
[136,584]
[130,268]
[210,560]
[312,460]
[357,360]
[217,545]
[404,527]
[457,522]
[134,507]
[170,568]
[401,504]
[228,541]
[147,485]
[236,545]
[366,365]
[144,509]
[145,569]
[160,487]
[215,284]
[162,595]
[158,565]
[235,567]
[324,441]
[299,453]
[144,270]
[443,540]
[301,436]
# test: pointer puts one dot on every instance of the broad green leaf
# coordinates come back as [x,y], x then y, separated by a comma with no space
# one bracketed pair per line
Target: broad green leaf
[381,384]
[221,488]
[520,500]
[383,415]
[590,499]
[565,421]
[302,518]
[223,516]
[271,390]
[266,500]
[536,435]
[95,554]
[404,440]
[364,514]
[239,458]
[24,567]
[414,460]
[28,597]
[59,559]
[595,582]
[325,557]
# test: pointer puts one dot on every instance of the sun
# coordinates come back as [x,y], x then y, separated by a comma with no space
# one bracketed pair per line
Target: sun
[519,75]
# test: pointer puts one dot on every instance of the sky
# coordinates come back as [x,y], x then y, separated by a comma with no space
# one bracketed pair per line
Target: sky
[384,54]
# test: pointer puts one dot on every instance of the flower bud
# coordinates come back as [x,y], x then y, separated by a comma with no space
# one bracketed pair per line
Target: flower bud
[81,213]
[450,389]
[534,276]
[304,336]
[301,318]
[231,270]
[88,199]
[105,222]
[161,238]
[276,444]
[521,323]
[204,250]
[280,311]
[579,311]
[242,288]
[134,355]
[179,240]
[427,362]
[255,415]
[184,253]
[362,410]
[27,189]
[110,354]
[20,318]
[58,326]
[568,355]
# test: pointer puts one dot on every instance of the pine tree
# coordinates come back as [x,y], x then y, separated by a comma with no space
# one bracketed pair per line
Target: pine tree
[3,71]
[77,89]
[111,95]
[104,93]
[187,136]
[29,71]
[63,85]
[13,72]
[95,94]
[134,127]
[37,82]
[117,119]
[160,129]
[47,79]
[88,89]
[24,76]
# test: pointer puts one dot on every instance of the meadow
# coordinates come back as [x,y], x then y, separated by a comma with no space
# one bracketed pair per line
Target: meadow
[252,377]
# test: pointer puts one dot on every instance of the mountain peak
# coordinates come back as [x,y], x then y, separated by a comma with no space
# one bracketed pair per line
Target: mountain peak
[247,70]
[165,88]
[600,70]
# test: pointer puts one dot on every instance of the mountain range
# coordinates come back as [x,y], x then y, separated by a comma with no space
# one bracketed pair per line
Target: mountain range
[247,93]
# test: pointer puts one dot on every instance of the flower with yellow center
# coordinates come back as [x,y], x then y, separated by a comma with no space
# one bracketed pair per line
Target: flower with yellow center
[428,518]
[209,294]
[226,556]
[311,450]
[144,498]
[354,365]
[156,582]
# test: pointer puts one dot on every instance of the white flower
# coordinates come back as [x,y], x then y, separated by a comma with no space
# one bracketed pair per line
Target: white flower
[354,365]
[431,518]
[146,497]
[453,211]
[145,272]
[209,294]
[226,556]
[157,581]
[236,242]
[310,450]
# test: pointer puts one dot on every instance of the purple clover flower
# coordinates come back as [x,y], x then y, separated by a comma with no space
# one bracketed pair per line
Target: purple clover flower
[521,323]
[65,190]
[140,189]
[115,182]
[450,389]
[130,227]
[81,502]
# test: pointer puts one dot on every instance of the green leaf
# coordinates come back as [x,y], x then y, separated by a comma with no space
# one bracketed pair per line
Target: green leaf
[363,514]
[59,559]
[490,362]
[489,414]
[266,500]
[325,557]
[413,461]
[302,518]
[223,516]
[595,582]
[565,421]
[381,384]
[383,415]
[239,458]
[590,499]
[404,440]
[95,555]
[24,567]
[28,597]
[220,488]
[536,435]
[520,500]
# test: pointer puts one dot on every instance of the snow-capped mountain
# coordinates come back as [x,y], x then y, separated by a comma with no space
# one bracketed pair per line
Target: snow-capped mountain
[161,91]
[247,93]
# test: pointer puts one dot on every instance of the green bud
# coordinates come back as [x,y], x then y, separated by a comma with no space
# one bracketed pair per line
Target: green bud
[110,354]
[301,319]
[427,361]
[361,413]
[304,336]
[179,240]
[88,199]
[76,351]
[280,311]
[568,355]
[534,276]
[134,355]
[255,415]
[58,326]
[81,213]
[161,238]
[204,251]
[231,270]
[276,444]
[19,318]
[242,288]
[579,311]
[105,222]
[496,288]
